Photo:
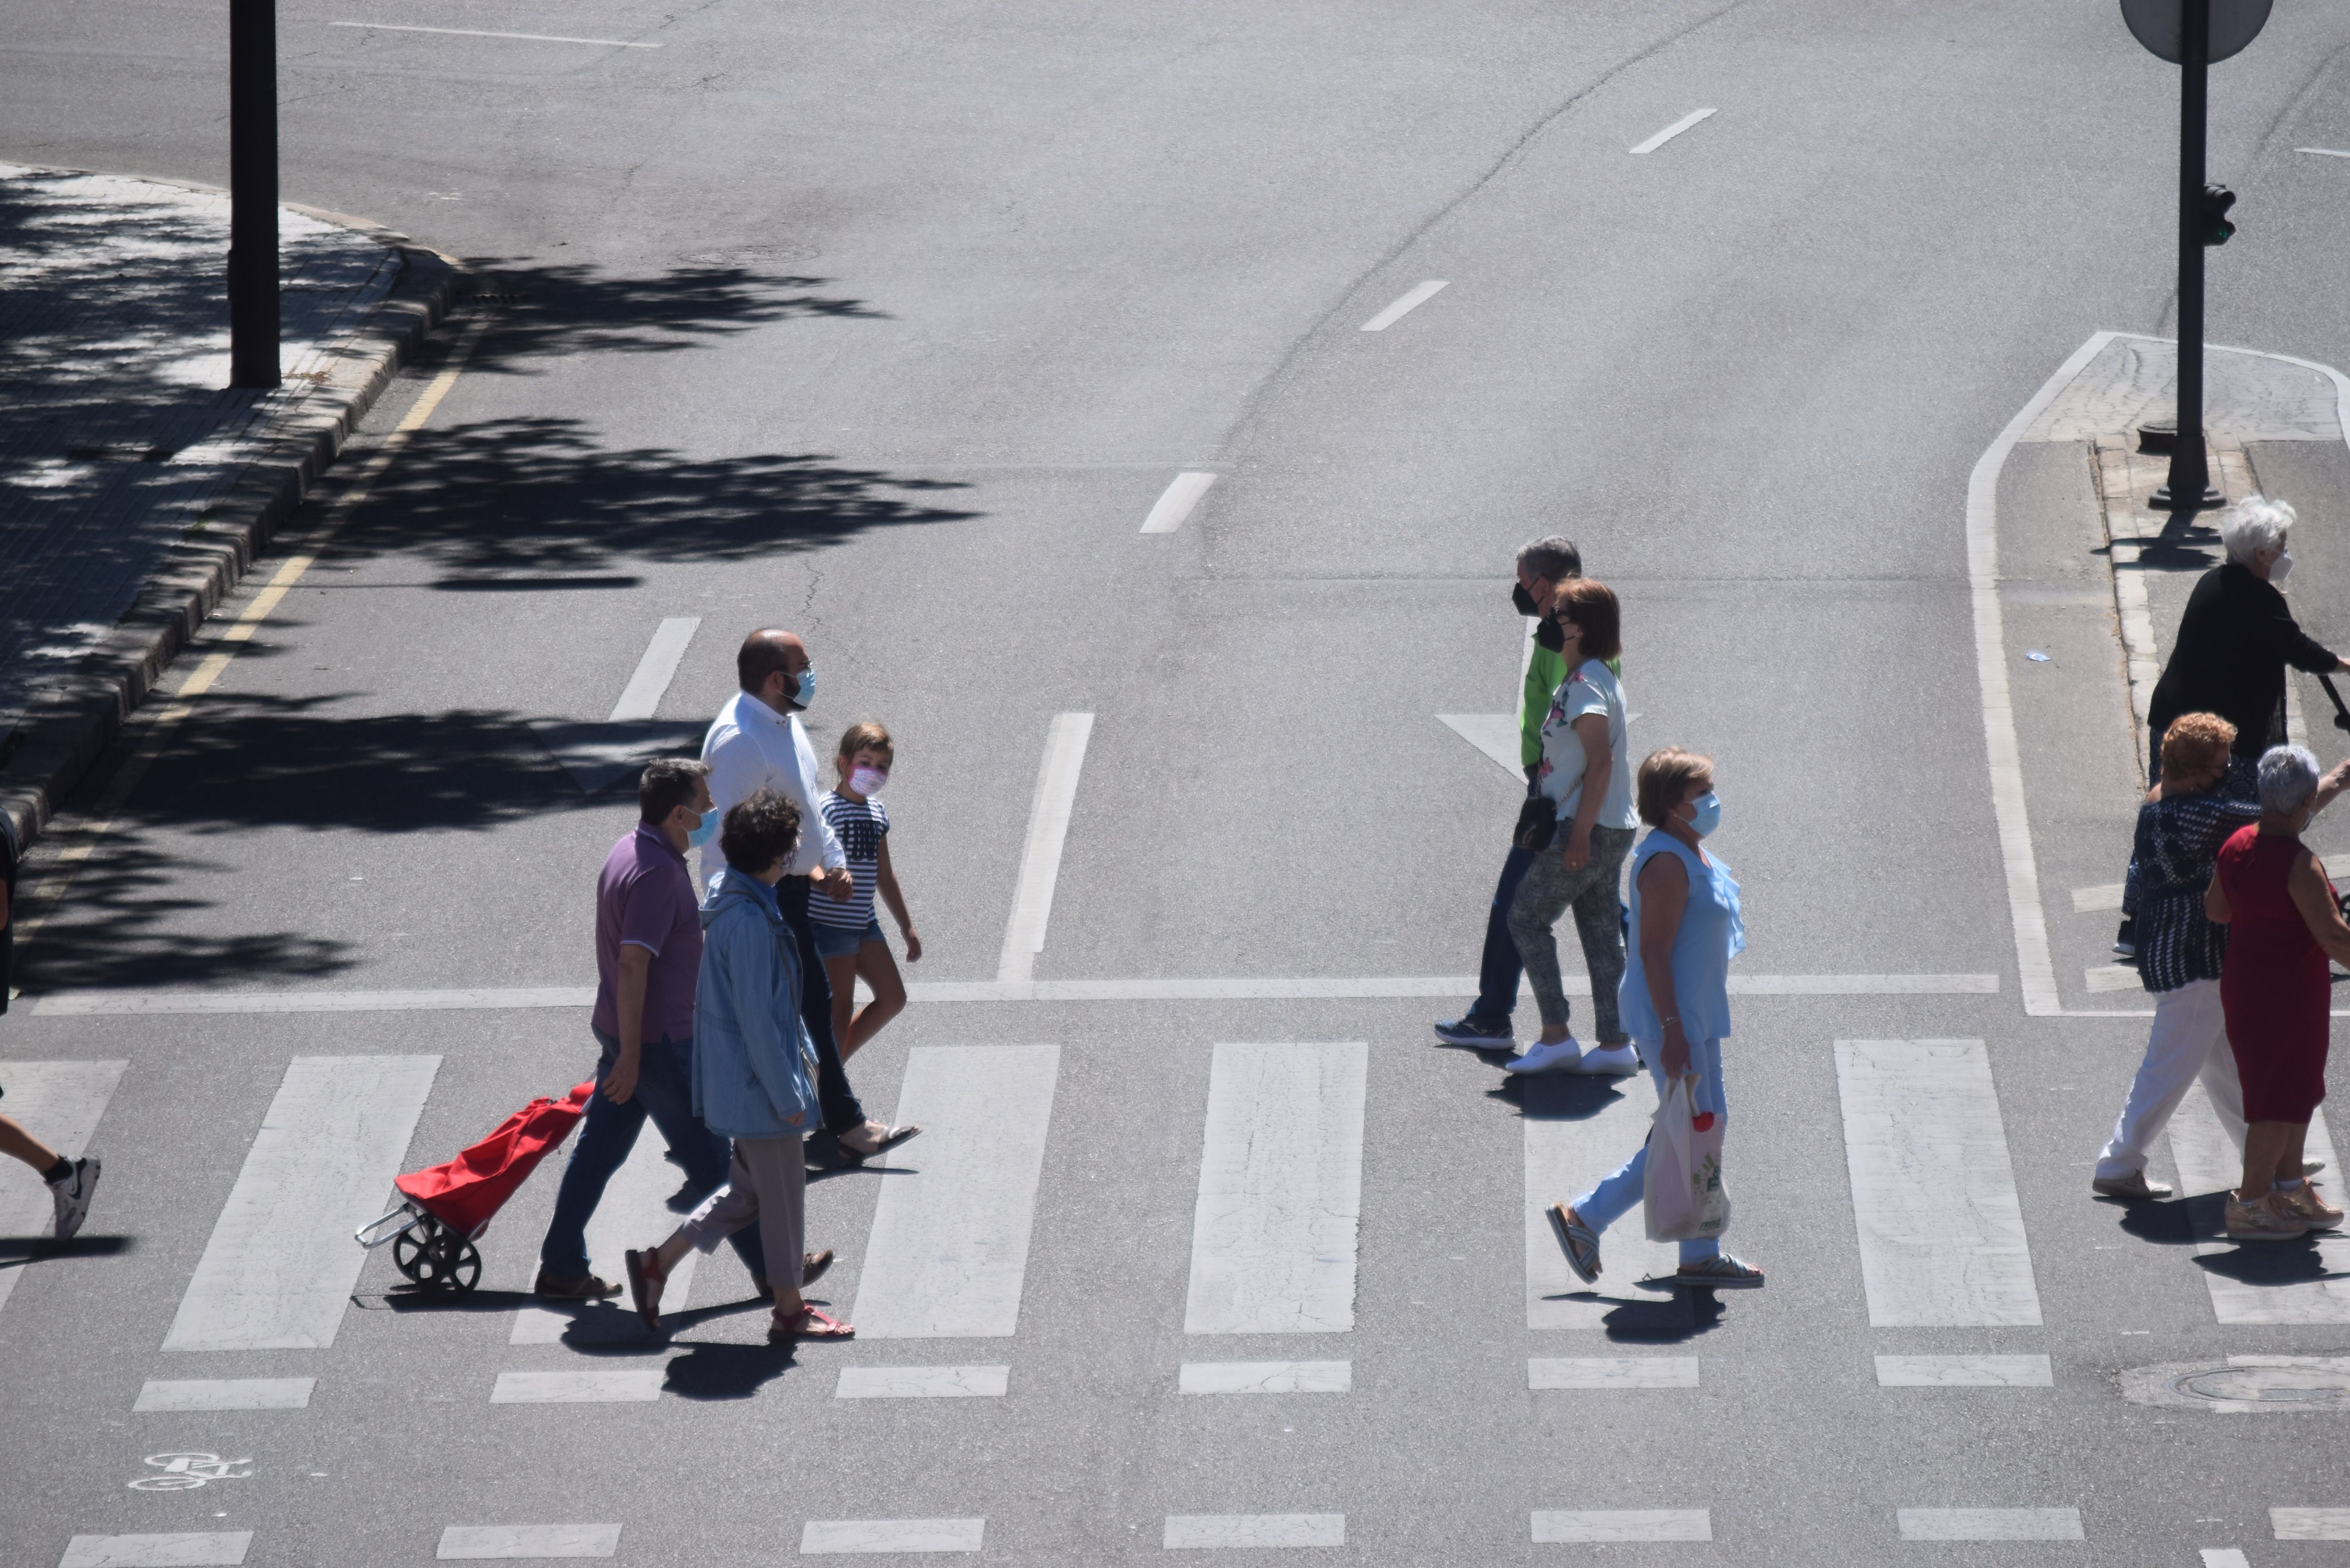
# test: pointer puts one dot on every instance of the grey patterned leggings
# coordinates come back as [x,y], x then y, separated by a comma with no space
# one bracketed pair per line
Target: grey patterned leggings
[1548,888]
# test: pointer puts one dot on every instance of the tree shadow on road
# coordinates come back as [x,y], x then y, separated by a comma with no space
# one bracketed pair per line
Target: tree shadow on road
[545,312]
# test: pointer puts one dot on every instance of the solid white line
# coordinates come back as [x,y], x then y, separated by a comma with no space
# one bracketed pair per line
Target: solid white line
[922,1383]
[2105,978]
[1495,734]
[1989,1523]
[655,670]
[634,1212]
[2323,151]
[1566,1152]
[823,1536]
[2035,969]
[1964,1372]
[1269,988]
[577,1387]
[181,1549]
[61,1102]
[1265,1377]
[2310,1523]
[1212,1530]
[2224,1557]
[1552,1525]
[477,33]
[1933,1191]
[1675,129]
[2208,1163]
[1040,857]
[279,1270]
[1175,503]
[1412,299]
[1281,1187]
[484,1540]
[1612,1371]
[948,1248]
[158,1396]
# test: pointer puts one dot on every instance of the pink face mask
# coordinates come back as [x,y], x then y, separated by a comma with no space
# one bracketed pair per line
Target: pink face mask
[868,781]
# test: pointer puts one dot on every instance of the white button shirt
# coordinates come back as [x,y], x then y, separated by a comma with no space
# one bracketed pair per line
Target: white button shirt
[750,747]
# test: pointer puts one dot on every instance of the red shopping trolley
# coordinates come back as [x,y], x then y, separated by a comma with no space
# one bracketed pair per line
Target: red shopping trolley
[445,1208]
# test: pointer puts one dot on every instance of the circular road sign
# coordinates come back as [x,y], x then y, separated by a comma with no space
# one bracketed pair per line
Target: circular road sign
[2159,23]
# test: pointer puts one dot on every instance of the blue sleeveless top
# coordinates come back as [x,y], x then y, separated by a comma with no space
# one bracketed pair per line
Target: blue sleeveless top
[1712,934]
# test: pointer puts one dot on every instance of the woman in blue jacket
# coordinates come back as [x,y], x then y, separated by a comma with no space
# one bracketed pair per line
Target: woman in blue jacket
[754,1079]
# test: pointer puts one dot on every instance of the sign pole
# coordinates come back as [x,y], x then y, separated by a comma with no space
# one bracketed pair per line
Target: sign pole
[252,322]
[2189,488]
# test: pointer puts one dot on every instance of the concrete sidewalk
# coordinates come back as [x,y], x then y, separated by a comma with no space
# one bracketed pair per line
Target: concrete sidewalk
[134,488]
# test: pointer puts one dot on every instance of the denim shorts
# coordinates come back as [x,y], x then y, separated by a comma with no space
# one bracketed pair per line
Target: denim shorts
[841,941]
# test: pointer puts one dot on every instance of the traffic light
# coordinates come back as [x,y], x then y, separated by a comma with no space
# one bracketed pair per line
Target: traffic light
[2217,200]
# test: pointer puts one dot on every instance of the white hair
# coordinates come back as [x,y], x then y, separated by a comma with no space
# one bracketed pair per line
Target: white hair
[2287,777]
[2252,525]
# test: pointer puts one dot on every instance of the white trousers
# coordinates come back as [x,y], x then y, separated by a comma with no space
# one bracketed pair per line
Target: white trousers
[2189,1040]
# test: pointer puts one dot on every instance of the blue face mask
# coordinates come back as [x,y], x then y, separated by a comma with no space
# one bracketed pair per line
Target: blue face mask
[805,693]
[1709,814]
[703,832]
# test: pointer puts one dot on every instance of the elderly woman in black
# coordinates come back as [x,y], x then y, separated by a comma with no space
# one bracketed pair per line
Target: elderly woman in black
[2234,642]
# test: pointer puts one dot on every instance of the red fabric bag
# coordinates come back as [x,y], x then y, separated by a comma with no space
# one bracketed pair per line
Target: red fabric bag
[464,1192]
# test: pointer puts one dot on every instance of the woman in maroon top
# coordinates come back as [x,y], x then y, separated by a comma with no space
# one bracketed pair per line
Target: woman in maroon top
[2276,991]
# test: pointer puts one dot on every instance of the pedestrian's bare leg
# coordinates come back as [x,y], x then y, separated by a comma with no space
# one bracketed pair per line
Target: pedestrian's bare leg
[17,1142]
[879,970]
[2266,1146]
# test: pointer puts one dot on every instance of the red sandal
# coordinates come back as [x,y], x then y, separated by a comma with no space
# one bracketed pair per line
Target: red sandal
[807,1323]
[646,1279]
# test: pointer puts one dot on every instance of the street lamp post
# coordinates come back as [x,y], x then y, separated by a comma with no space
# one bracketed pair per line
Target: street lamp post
[253,192]
[2190,488]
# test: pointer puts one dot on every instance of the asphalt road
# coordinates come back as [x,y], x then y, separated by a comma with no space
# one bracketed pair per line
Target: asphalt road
[889,326]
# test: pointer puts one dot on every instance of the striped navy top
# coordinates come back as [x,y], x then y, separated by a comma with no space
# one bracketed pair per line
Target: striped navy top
[2178,839]
[860,825]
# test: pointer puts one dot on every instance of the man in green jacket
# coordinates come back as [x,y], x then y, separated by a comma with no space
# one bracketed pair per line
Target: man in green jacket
[1541,566]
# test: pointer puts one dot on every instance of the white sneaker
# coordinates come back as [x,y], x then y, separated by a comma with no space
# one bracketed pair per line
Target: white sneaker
[1609,1060]
[71,1194]
[1556,1056]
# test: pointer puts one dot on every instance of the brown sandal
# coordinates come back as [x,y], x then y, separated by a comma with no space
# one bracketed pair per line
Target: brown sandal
[807,1323]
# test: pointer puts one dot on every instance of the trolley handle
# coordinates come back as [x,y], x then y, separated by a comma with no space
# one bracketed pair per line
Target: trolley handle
[373,1234]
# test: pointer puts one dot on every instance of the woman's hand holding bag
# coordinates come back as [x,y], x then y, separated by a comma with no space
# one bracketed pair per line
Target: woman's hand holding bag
[1682,1191]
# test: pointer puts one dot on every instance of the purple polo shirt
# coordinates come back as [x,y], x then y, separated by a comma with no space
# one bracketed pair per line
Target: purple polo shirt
[644,897]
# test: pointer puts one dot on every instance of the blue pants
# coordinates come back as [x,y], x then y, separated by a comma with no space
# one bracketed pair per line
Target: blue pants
[835,1098]
[664,1093]
[1497,975]
[1620,1191]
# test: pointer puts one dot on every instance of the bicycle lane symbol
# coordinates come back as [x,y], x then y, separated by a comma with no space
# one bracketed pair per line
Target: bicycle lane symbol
[185,1472]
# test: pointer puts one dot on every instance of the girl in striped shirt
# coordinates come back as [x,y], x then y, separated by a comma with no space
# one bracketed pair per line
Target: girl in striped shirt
[848,933]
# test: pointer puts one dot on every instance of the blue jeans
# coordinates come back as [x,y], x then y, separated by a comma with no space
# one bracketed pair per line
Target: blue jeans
[664,1093]
[1620,1191]
[1497,976]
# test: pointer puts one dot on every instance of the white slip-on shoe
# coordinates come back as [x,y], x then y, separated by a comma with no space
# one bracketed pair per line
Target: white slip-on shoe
[1609,1060]
[70,1195]
[1555,1056]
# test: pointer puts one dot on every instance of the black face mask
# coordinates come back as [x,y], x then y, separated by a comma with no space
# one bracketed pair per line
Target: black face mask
[1547,634]
[1523,601]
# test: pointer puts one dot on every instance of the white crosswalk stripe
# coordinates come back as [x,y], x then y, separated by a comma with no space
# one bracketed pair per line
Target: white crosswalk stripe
[177,1549]
[1989,1523]
[1209,1531]
[1266,1378]
[1601,1524]
[1281,1178]
[635,1212]
[2210,1168]
[474,1541]
[279,1268]
[60,1104]
[160,1395]
[1568,1149]
[827,1536]
[949,1250]
[1933,1191]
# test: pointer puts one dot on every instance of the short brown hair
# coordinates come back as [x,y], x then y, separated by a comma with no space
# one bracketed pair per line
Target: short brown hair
[865,736]
[668,783]
[2195,750]
[759,832]
[1665,780]
[1591,606]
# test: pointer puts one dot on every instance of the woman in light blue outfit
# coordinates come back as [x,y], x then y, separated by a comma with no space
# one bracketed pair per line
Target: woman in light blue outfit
[1676,996]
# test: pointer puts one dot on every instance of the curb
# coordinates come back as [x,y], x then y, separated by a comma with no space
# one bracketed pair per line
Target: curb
[63,739]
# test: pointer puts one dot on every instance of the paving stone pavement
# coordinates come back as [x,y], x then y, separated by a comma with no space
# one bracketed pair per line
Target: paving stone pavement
[117,429]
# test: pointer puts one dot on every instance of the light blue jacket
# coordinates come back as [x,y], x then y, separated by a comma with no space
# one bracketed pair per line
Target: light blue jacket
[751,1077]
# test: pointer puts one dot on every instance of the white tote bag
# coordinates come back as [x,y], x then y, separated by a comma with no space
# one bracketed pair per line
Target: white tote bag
[1682,1191]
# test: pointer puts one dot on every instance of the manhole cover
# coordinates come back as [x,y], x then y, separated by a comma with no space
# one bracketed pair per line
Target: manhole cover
[2244,1385]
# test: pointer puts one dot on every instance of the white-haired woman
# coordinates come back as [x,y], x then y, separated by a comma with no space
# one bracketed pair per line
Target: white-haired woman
[2271,894]
[2234,642]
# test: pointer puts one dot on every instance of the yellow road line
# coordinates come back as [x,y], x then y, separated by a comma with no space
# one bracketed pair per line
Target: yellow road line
[167,721]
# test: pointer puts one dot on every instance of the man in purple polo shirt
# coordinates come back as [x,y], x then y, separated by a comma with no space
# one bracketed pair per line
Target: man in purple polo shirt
[648,955]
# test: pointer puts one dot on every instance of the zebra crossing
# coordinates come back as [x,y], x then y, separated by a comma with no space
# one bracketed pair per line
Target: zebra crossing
[1938,1226]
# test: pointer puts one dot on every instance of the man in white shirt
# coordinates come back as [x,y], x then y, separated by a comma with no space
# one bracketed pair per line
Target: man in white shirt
[755,742]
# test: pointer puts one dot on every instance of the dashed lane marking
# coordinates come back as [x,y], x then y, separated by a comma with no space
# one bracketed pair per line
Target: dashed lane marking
[1040,856]
[161,1395]
[577,1387]
[1175,503]
[479,32]
[1553,1525]
[1411,300]
[1964,1372]
[822,1537]
[1257,1531]
[641,697]
[1266,1378]
[922,1383]
[1612,1372]
[1685,122]
[1989,1523]
[472,1541]
[179,1548]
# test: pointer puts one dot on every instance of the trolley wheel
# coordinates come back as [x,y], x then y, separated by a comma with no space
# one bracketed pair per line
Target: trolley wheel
[409,1246]
[449,1263]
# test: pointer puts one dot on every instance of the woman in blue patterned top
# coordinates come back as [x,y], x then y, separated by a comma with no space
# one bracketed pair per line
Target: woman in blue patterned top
[848,933]
[2181,827]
